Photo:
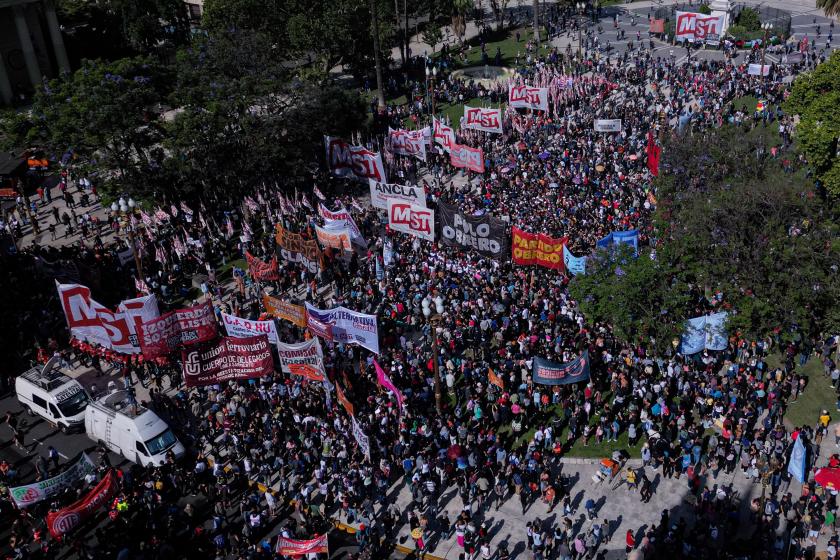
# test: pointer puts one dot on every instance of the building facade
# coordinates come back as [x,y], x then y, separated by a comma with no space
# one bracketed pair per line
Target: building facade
[31,47]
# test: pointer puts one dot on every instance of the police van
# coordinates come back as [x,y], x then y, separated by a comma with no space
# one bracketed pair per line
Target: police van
[52,395]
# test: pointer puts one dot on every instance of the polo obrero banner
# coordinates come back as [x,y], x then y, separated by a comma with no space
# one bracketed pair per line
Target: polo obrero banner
[552,373]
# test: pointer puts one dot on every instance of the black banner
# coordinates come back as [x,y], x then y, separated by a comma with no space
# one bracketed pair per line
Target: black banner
[484,234]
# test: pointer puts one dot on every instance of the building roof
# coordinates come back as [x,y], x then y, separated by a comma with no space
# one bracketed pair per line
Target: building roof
[9,163]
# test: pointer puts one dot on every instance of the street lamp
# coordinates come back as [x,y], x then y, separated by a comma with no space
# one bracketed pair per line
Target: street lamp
[434,321]
[125,207]
[431,74]
[581,6]
[766,26]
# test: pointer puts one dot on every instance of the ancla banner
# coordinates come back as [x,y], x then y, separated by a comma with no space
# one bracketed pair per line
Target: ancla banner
[354,162]
[292,547]
[607,125]
[29,494]
[230,359]
[67,519]
[484,234]
[538,249]
[524,97]
[443,135]
[380,193]
[465,157]
[407,143]
[345,326]
[238,327]
[478,118]
[552,373]
[411,219]
[261,270]
[304,353]
[182,327]
[284,310]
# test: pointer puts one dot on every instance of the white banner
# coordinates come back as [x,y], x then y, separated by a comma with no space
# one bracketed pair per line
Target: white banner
[304,353]
[525,97]
[91,321]
[411,219]
[344,325]
[443,135]
[361,438]
[607,125]
[238,327]
[341,218]
[407,143]
[29,494]
[380,193]
[758,70]
[694,27]
[478,118]
[355,162]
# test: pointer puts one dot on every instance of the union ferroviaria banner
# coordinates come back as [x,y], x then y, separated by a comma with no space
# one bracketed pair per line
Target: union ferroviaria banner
[238,327]
[484,234]
[261,270]
[537,249]
[380,193]
[407,143]
[345,325]
[294,248]
[308,353]
[552,373]
[29,494]
[355,162]
[338,238]
[411,219]
[182,327]
[480,118]
[465,157]
[229,359]
[293,547]
[526,97]
[67,519]
[284,310]
[92,322]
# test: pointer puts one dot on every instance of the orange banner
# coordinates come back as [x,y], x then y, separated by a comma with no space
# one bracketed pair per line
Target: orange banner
[537,249]
[307,371]
[284,310]
[495,379]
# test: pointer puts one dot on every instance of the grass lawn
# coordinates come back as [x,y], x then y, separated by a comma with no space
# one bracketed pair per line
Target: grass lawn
[504,41]
[818,395]
[454,111]
[225,272]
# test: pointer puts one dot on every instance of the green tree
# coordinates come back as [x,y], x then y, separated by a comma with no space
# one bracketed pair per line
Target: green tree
[269,16]
[814,97]
[749,19]
[705,9]
[432,35]
[831,7]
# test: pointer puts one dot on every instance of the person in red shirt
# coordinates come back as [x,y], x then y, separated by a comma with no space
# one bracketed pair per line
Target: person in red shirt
[630,541]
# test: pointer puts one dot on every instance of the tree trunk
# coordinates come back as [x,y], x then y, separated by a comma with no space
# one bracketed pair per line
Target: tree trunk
[407,34]
[536,5]
[399,29]
[377,56]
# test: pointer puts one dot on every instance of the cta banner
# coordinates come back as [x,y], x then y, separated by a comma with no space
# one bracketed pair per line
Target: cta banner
[294,248]
[345,326]
[338,238]
[443,135]
[303,353]
[230,359]
[261,270]
[407,143]
[92,322]
[238,327]
[484,234]
[477,118]
[465,157]
[537,249]
[380,193]
[354,162]
[292,547]
[691,26]
[552,373]
[411,219]
[28,494]
[67,519]
[284,310]
[525,97]
[183,327]
[607,125]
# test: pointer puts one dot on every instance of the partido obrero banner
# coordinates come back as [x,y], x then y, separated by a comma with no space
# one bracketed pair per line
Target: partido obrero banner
[182,327]
[537,249]
[238,327]
[344,325]
[484,234]
[381,193]
[29,494]
[552,373]
[230,359]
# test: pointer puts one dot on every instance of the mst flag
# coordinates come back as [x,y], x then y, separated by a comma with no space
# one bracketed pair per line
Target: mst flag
[465,157]
[479,118]
[525,97]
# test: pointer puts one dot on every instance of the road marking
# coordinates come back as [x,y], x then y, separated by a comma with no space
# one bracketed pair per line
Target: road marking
[60,454]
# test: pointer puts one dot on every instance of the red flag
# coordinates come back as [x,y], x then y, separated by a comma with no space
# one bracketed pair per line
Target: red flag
[495,379]
[654,152]
[342,398]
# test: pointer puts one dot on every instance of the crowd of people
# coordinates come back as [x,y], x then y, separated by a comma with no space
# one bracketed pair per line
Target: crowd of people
[282,451]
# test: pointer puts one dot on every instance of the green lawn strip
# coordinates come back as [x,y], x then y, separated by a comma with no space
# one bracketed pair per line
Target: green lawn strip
[453,111]
[818,394]
[225,271]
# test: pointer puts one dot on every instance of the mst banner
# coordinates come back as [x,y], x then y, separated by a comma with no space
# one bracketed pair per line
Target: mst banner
[303,353]
[695,27]
[524,97]
[353,162]
[478,118]
[345,325]
[552,373]
[408,143]
[29,494]
[411,219]
[465,157]
[284,310]
[443,135]
[181,327]
[238,327]
[292,547]
[538,249]
[231,358]
[67,519]
[380,193]
[294,248]
[484,234]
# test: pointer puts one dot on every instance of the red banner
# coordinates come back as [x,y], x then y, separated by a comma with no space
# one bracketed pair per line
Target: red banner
[466,157]
[261,270]
[657,26]
[654,153]
[538,249]
[231,358]
[292,547]
[181,327]
[307,371]
[67,519]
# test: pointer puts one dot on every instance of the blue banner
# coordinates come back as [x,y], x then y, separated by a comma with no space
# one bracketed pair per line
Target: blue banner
[575,265]
[552,373]
[704,333]
[798,464]
[630,237]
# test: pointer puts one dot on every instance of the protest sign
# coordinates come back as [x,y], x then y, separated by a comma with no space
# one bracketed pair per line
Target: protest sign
[537,249]
[465,157]
[707,332]
[607,125]
[308,353]
[341,219]
[629,237]
[361,438]
[284,310]
[380,193]
[229,359]
[695,27]
[407,143]
[411,219]
[294,248]
[261,270]
[308,372]
[484,234]
[67,519]
[758,70]
[181,327]
[345,326]
[479,118]
[354,162]
[525,97]
[238,327]
[293,547]
[575,265]
[552,373]
[338,238]
[443,135]
[29,494]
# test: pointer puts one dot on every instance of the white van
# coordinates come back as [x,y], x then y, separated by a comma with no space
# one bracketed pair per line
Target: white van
[52,395]
[130,430]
